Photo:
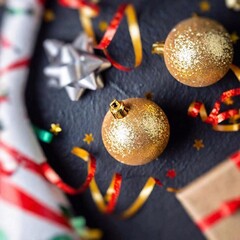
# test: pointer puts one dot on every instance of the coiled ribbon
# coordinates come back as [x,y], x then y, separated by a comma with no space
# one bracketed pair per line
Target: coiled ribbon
[88,11]
[215,118]
[106,204]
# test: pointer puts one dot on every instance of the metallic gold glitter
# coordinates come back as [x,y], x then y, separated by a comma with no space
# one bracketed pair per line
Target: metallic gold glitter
[139,137]
[198,52]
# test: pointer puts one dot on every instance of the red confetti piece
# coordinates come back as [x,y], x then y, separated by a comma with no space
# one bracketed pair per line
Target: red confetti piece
[227,209]
[3,99]
[214,118]
[171,173]
[18,64]
[17,197]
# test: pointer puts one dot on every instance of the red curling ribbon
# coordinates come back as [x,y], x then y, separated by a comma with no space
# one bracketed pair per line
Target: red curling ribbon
[16,196]
[80,4]
[129,11]
[54,178]
[227,209]
[214,118]
[18,64]
[46,171]
[236,159]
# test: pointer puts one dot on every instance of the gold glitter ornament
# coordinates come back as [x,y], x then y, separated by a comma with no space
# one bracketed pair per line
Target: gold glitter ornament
[198,51]
[135,131]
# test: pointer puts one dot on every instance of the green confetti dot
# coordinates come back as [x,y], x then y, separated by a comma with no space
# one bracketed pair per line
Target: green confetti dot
[62,237]
[43,135]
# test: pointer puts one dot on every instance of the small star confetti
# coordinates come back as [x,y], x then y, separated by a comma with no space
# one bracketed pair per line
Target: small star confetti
[234,37]
[55,128]
[205,6]
[88,138]
[149,95]
[171,173]
[198,144]
[103,26]
[49,15]
[229,101]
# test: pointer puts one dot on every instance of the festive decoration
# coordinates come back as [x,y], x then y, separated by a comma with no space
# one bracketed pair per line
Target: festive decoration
[55,128]
[49,15]
[171,173]
[89,10]
[215,118]
[198,52]
[198,144]
[135,131]
[233,4]
[74,66]
[43,135]
[103,26]
[88,138]
[25,195]
[234,37]
[205,6]
[218,217]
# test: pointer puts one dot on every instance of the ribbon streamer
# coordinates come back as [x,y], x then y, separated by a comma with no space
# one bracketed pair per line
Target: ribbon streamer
[54,178]
[87,12]
[214,118]
[227,209]
[134,31]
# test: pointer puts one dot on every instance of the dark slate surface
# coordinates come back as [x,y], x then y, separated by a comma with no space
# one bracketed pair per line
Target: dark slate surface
[162,217]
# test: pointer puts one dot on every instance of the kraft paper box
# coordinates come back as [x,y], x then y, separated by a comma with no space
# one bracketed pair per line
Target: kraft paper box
[213,201]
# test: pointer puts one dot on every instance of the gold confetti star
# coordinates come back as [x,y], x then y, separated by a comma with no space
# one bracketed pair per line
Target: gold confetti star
[49,15]
[149,95]
[229,101]
[103,26]
[198,144]
[234,37]
[55,128]
[205,6]
[88,138]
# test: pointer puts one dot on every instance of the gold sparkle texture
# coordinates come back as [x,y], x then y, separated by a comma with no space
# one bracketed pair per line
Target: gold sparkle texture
[198,144]
[88,138]
[139,137]
[55,128]
[204,6]
[234,37]
[198,52]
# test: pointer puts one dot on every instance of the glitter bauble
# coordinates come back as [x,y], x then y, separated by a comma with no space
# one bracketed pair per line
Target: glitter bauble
[198,52]
[135,131]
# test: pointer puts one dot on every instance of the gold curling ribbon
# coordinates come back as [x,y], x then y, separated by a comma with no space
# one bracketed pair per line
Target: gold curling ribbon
[141,199]
[236,71]
[86,20]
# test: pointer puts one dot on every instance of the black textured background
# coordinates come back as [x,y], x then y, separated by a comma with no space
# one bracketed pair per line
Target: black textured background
[162,217]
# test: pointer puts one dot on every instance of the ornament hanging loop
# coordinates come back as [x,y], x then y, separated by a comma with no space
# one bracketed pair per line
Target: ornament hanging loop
[118,109]
[158,48]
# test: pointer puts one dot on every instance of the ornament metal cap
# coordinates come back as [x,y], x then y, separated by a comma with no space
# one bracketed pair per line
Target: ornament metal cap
[158,48]
[118,109]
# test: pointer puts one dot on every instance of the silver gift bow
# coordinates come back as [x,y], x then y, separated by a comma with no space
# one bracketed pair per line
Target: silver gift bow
[74,66]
